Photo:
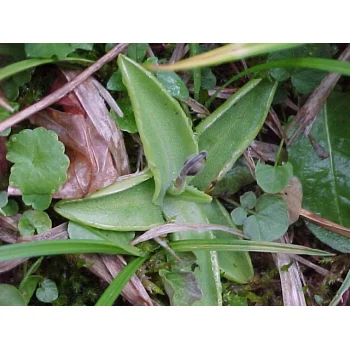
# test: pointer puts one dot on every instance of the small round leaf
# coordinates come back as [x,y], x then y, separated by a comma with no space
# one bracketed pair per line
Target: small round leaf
[40,163]
[238,216]
[47,292]
[248,200]
[34,220]
[270,221]
[273,179]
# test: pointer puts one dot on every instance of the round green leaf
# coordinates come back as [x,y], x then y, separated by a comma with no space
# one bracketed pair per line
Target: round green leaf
[37,201]
[34,220]
[10,296]
[273,179]
[115,82]
[40,163]
[270,221]
[248,200]
[47,292]
[10,209]
[48,50]
[238,216]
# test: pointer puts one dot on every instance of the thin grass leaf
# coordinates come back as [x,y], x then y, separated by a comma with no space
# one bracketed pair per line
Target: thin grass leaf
[307,62]
[226,53]
[343,288]
[21,66]
[243,246]
[26,250]
[113,291]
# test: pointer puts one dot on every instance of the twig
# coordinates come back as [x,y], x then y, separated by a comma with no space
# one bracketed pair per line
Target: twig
[308,113]
[5,105]
[61,92]
[322,271]
[324,223]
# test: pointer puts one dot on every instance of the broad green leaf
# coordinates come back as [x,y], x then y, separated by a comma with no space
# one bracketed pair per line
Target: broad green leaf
[115,82]
[58,247]
[28,288]
[207,272]
[174,85]
[48,50]
[37,201]
[47,291]
[40,163]
[238,216]
[226,53]
[137,52]
[272,179]
[128,210]
[12,49]
[248,200]
[181,287]
[343,288]
[306,80]
[34,220]
[228,131]
[325,181]
[10,296]
[233,180]
[79,231]
[112,292]
[164,129]
[222,245]
[236,266]
[270,221]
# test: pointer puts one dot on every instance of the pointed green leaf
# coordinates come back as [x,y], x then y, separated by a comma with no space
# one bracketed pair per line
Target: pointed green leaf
[207,272]
[79,231]
[325,181]
[228,131]
[272,179]
[129,209]
[164,129]
[270,221]
[29,286]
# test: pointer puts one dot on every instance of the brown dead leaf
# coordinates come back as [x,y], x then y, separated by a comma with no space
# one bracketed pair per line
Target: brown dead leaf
[293,196]
[97,158]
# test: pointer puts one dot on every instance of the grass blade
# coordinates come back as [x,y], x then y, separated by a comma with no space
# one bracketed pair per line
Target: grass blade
[226,53]
[78,246]
[307,62]
[343,288]
[194,49]
[243,246]
[113,291]
[21,66]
